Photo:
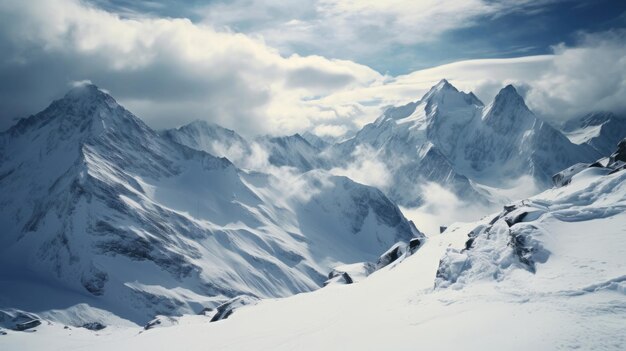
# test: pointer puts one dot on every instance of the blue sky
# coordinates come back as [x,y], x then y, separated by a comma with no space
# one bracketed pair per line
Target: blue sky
[327,66]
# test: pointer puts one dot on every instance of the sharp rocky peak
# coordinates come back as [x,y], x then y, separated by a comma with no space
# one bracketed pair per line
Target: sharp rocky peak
[508,111]
[84,107]
[444,92]
[509,96]
[86,97]
[442,87]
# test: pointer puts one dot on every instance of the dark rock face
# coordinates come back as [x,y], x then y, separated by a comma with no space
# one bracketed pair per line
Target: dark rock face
[153,323]
[414,244]
[95,326]
[620,153]
[390,256]
[442,229]
[27,325]
[227,308]
[564,177]
[519,217]
[527,250]
[95,283]
[345,277]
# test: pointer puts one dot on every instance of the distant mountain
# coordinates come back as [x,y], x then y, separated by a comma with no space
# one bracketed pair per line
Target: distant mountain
[211,138]
[292,151]
[98,208]
[600,130]
[317,141]
[451,138]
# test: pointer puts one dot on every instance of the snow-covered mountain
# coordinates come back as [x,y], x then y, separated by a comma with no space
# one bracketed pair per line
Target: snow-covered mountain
[545,273]
[211,138]
[291,151]
[600,130]
[99,210]
[451,138]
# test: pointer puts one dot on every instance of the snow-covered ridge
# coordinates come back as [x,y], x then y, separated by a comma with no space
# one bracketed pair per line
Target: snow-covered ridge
[99,210]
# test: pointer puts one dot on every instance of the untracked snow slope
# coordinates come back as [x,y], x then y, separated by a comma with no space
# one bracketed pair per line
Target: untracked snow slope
[547,273]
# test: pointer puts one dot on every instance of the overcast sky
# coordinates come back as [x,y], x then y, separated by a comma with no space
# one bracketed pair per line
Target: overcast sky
[323,65]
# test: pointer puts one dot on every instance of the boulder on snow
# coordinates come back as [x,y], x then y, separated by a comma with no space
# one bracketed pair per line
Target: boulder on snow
[442,229]
[160,321]
[350,273]
[391,255]
[564,177]
[414,244]
[27,325]
[509,208]
[227,308]
[95,326]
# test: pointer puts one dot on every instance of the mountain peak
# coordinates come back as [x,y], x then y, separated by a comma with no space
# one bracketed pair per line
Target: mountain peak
[444,91]
[84,99]
[508,98]
[443,85]
[508,110]
[87,92]
[509,94]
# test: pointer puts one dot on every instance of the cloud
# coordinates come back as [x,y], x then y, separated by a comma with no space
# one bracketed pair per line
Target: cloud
[171,71]
[168,71]
[358,29]
[365,168]
[442,208]
[588,77]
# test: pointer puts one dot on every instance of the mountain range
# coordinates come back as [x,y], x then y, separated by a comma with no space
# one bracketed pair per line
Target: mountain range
[100,208]
[184,237]
[447,137]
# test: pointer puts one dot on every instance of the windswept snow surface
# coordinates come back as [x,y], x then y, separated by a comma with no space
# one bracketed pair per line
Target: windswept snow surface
[547,273]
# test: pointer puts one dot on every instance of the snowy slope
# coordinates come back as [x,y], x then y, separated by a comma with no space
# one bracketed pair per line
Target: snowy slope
[547,273]
[97,208]
[600,130]
[451,138]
